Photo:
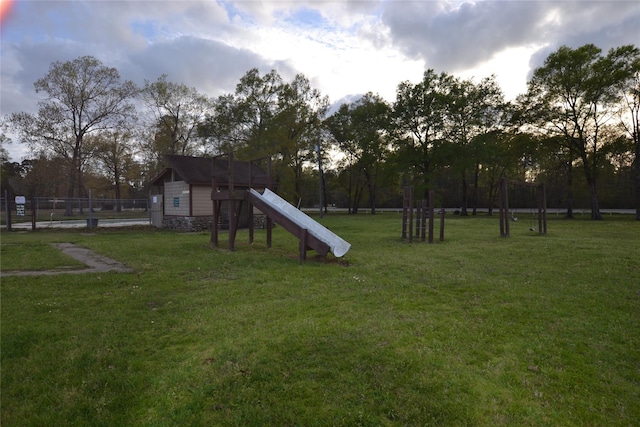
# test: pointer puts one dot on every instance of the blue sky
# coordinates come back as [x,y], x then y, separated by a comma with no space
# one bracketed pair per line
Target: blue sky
[345,48]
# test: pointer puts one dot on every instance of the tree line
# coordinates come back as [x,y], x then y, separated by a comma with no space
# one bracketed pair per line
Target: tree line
[576,128]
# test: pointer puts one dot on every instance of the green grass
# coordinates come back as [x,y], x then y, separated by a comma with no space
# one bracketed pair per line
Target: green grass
[27,254]
[478,330]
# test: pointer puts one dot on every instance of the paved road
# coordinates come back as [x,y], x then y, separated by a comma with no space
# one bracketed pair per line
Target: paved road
[81,223]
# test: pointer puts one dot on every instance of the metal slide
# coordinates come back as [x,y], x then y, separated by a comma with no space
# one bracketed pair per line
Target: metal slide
[338,246]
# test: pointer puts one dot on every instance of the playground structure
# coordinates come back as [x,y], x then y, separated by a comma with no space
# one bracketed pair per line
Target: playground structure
[310,234]
[503,205]
[424,210]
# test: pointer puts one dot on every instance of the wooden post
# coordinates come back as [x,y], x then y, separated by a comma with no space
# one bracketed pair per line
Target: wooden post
[544,208]
[233,219]
[215,205]
[7,204]
[432,198]
[302,245]
[506,209]
[33,215]
[423,220]
[269,186]
[405,204]
[251,220]
[410,214]
[442,214]
[501,206]
[418,217]
[539,208]
[250,206]
[503,202]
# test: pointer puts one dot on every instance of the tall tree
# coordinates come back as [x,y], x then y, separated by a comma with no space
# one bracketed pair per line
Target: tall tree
[576,92]
[115,156]
[176,113]
[361,132]
[472,109]
[268,117]
[297,126]
[241,122]
[83,96]
[630,115]
[340,125]
[418,126]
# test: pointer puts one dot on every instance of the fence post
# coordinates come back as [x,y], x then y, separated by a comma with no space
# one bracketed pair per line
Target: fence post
[33,214]
[8,209]
[90,212]
[405,212]
[432,198]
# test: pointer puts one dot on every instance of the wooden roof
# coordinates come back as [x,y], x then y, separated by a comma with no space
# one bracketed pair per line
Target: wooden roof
[198,170]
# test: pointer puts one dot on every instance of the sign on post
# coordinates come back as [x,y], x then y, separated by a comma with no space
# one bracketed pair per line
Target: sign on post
[20,202]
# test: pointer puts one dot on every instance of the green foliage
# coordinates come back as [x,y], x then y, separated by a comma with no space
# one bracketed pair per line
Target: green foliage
[573,95]
[477,330]
[361,131]
[175,113]
[268,117]
[581,110]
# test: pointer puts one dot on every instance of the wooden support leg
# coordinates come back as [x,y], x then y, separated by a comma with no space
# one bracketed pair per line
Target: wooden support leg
[216,220]
[251,220]
[544,208]
[304,235]
[540,230]
[405,207]
[233,231]
[418,217]
[432,198]
[233,225]
[423,228]
[501,207]
[410,214]
[507,223]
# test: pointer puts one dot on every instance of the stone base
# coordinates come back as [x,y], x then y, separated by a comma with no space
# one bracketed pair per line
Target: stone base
[204,223]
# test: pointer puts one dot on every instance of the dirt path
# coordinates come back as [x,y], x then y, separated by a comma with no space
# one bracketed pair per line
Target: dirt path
[95,263]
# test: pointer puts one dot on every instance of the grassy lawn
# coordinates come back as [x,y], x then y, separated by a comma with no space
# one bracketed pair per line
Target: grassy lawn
[479,330]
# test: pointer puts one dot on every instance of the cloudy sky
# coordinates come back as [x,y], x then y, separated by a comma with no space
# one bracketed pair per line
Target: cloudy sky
[345,48]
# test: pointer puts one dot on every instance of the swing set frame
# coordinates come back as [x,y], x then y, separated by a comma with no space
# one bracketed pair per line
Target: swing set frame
[503,204]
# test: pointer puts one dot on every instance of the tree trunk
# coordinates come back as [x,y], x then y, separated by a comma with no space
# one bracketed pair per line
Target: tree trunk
[324,193]
[590,174]
[372,193]
[569,214]
[595,205]
[491,196]
[356,200]
[350,192]
[118,201]
[81,189]
[68,208]
[475,189]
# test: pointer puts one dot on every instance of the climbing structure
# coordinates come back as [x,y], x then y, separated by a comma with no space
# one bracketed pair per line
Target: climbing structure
[311,234]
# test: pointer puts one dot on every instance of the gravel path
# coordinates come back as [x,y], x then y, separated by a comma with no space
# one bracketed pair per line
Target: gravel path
[95,263]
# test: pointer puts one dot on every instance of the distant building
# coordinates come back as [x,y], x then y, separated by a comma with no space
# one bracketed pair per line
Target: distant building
[181,193]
